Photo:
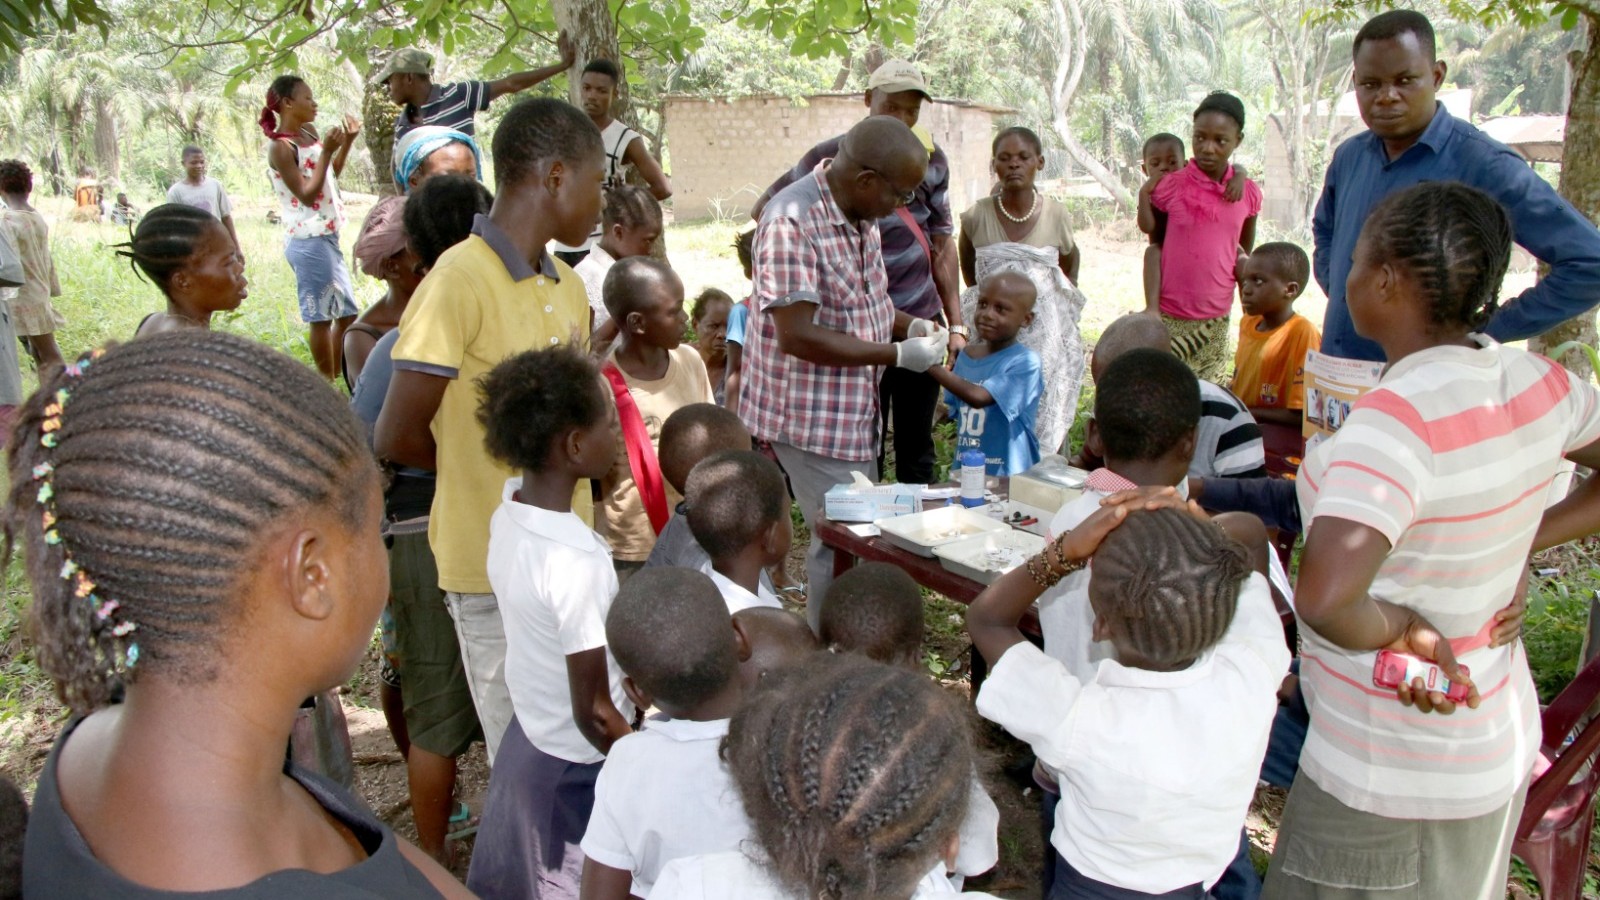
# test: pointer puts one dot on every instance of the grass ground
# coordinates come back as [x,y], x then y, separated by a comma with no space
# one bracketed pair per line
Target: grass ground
[104,300]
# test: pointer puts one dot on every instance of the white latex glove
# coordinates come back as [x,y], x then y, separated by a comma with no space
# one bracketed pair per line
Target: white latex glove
[921,328]
[920,353]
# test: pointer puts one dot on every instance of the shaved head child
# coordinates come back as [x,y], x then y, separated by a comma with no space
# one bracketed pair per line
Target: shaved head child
[665,792]
[739,513]
[1269,366]
[652,375]
[875,610]
[691,434]
[994,388]
[778,639]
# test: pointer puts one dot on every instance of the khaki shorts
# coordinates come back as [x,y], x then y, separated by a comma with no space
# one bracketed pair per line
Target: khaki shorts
[1328,851]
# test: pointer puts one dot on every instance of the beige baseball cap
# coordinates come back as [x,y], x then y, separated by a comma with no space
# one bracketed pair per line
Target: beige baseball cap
[897,75]
[405,61]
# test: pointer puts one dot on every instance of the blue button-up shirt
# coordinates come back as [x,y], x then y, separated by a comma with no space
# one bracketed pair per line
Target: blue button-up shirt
[1362,174]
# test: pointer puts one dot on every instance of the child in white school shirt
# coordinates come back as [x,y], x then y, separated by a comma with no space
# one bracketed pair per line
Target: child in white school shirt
[1158,751]
[664,792]
[738,511]
[546,413]
[854,775]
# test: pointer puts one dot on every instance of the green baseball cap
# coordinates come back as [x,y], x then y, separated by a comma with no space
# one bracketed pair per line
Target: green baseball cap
[405,61]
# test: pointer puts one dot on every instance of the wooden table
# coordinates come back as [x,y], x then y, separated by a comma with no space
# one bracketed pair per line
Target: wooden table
[850,548]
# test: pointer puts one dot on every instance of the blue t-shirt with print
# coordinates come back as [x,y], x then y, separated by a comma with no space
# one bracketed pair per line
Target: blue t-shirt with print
[1004,429]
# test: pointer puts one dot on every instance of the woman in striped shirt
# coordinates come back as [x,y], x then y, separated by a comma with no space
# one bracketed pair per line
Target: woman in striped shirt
[1421,513]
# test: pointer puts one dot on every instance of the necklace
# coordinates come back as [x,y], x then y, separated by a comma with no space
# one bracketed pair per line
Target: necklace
[1000,203]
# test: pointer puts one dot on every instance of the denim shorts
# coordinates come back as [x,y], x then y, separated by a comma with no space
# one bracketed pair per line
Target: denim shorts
[321,280]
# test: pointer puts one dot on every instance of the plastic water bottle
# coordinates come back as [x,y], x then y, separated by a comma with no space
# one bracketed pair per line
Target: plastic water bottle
[973,472]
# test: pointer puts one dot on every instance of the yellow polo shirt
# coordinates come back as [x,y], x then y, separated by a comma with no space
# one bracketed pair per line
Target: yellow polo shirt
[480,304]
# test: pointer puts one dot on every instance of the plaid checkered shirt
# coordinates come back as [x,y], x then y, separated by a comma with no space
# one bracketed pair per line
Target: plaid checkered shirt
[807,251]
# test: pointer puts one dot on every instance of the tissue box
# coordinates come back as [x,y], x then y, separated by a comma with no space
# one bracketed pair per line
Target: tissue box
[868,503]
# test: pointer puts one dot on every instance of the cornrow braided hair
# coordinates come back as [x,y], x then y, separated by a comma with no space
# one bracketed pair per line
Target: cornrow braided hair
[631,206]
[1453,240]
[854,775]
[174,455]
[1172,582]
[164,241]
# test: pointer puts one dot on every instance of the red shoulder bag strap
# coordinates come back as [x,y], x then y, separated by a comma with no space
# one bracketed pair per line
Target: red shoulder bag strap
[916,231]
[641,452]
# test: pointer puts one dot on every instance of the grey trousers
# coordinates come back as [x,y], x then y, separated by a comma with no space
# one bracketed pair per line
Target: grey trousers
[1328,851]
[810,476]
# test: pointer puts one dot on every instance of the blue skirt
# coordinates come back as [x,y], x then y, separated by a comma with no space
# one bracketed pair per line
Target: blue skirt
[533,820]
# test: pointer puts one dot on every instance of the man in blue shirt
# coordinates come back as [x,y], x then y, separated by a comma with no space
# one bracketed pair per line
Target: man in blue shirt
[919,257]
[1414,139]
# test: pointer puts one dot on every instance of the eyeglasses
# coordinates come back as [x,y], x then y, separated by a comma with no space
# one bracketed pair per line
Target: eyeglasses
[903,199]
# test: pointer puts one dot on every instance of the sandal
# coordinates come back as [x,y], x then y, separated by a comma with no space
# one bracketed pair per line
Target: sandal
[463,817]
[794,593]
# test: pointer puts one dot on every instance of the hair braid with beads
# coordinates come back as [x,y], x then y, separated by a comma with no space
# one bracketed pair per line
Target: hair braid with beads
[854,775]
[1172,581]
[1453,240]
[174,455]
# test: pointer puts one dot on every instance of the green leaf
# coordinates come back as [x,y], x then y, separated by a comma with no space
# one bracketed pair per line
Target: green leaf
[1569,19]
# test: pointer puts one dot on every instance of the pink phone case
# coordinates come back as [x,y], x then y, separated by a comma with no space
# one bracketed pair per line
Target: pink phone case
[1393,668]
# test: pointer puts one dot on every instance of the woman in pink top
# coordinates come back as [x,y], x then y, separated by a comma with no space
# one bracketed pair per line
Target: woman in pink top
[1206,235]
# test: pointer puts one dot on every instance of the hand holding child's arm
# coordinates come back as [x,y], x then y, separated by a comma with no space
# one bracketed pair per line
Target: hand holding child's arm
[1508,621]
[1147,211]
[1234,192]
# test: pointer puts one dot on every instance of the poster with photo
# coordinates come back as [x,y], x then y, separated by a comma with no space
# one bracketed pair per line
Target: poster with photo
[1333,385]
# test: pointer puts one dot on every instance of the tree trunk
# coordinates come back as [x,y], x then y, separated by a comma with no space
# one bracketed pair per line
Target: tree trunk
[593,32]
[107,153]
[1072,42]
[1580,178]
[377,129]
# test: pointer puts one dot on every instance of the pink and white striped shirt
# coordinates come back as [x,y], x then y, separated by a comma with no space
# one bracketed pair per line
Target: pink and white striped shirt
[1450,458]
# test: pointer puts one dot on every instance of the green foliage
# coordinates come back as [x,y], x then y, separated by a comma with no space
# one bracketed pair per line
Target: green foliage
[21,20]
[1558,615]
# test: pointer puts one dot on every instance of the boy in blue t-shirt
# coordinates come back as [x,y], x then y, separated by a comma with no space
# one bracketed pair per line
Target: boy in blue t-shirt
[993,391]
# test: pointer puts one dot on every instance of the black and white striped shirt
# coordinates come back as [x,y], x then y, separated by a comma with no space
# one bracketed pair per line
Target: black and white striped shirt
[452,105]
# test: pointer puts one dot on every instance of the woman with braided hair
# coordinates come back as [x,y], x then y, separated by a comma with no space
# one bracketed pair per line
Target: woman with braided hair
[854,775]
[1156,751]
[192,258]
[200,520]
[1421,512]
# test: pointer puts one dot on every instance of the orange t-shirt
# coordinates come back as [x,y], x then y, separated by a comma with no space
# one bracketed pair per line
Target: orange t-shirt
[1269,368]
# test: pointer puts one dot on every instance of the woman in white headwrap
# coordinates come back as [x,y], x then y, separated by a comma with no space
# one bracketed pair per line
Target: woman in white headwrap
[1021,230]
[430,150]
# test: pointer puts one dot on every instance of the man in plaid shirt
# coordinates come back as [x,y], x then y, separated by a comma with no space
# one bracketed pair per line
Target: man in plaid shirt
[821,324]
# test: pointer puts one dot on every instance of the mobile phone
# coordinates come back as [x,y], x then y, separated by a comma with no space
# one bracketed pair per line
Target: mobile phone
[1394,668]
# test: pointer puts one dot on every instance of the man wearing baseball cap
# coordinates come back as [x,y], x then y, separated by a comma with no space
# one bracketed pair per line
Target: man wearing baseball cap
[919,257]
[408,74]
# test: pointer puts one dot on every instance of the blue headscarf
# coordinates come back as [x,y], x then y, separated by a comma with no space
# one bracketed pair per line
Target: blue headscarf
[419,143]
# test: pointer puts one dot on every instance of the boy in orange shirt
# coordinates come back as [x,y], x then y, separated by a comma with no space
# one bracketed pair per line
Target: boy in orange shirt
[1269,366]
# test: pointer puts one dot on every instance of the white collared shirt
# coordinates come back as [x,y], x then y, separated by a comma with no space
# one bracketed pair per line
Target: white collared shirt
[736,876]
[554,581]
[663,794]
[738,598]
[1157,769]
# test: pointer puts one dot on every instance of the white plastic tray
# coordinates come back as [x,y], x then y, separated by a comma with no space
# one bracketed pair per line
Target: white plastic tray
[986,557]
[921,532]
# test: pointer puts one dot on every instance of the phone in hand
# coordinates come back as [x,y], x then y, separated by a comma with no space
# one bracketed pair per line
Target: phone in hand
[1392,669]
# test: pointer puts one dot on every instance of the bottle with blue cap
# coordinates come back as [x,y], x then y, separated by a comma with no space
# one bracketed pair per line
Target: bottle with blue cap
[973,471]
